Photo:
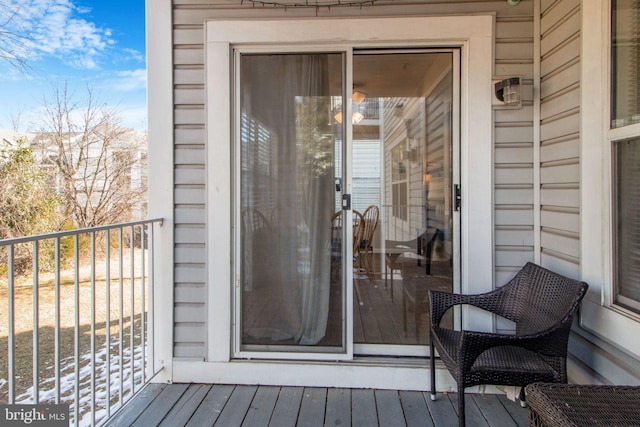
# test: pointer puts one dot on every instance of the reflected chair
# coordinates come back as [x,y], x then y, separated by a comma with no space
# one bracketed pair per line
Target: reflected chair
[365,247]
[540,302]
[421,246]
[336,245]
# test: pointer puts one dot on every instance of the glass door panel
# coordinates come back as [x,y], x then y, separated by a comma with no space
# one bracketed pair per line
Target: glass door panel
[403,165]
[291,296]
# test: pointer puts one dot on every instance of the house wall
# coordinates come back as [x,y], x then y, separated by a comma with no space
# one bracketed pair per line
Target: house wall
[514,141]
[560,135]
[593,358]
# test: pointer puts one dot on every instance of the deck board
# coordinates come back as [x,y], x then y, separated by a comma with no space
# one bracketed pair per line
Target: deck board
[474,416]
[492,409]
[442,410]
[415,409]
[259,406]
[159,408]
[211,407]
[338,412]
[134,409]
[287,408]
[389,408]
[236,408]
[186,406]
[363,408]
[262,407]
[518,414]
[312,409]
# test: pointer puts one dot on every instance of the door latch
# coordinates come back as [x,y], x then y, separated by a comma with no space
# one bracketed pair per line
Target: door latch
[346,202]
[457,198]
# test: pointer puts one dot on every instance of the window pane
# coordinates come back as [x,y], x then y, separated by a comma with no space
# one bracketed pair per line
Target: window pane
[625,108]
[627,155]
[291,293]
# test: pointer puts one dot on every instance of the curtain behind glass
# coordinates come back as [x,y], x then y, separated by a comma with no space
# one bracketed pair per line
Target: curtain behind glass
[287,179]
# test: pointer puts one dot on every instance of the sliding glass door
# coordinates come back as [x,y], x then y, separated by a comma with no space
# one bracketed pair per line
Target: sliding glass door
[287,300]
[345,200]
[404,152]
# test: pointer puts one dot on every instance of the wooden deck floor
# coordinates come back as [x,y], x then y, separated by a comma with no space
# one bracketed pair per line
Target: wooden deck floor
[234,405]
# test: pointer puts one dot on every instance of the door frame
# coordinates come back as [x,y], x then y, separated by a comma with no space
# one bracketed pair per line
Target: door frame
[417,350]
[473,34]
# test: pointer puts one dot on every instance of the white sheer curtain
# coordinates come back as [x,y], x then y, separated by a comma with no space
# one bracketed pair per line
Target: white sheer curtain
[287,176]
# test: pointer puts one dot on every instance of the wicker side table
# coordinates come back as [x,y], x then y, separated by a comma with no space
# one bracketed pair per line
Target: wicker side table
[553,405]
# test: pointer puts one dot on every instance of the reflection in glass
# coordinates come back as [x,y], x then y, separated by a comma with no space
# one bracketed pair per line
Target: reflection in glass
[625,51]
[627,236]
[287,186]
[402,162]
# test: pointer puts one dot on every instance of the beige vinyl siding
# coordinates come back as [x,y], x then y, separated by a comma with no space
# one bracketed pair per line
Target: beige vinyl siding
[513,141]
[190,198]
[513,214]
[559,135]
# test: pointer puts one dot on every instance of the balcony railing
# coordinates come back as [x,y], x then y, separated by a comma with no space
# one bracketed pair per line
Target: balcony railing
[76,318]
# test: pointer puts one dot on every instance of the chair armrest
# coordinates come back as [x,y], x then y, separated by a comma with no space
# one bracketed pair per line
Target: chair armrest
[440,302]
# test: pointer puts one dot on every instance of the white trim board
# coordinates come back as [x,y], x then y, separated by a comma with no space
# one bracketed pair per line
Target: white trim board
[474,34]
[161,184]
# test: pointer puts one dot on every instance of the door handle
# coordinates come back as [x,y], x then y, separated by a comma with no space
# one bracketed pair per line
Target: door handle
[346,202]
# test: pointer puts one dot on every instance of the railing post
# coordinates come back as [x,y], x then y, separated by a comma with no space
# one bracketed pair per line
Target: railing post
[132,335]
[107,274]
[11,341]
[76,352]
[56,350]
[36,323]
[93,328]
[70,365]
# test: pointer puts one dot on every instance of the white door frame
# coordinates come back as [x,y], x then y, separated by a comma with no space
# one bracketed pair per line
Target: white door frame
[473,34]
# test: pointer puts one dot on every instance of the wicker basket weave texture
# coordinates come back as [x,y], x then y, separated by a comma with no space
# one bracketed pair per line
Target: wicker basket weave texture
[560,405]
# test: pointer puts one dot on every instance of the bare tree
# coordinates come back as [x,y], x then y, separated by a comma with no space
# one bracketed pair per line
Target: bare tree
[100,164]
[11,42]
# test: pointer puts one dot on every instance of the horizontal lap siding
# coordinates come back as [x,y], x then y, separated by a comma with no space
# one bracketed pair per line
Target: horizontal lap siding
[513,139]
[560,137]
[190,191]
[514,218]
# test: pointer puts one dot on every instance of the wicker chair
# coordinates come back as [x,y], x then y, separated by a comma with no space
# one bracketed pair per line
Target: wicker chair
[540,302]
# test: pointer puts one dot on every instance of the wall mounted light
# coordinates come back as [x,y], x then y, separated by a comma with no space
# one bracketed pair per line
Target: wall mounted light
[508,91]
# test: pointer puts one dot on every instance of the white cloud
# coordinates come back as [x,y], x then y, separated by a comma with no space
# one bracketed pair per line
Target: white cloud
[134,54]
[129,80]
[52,27]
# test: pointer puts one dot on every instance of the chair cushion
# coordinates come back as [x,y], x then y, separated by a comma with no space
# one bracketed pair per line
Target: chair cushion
[510,358]
[507,365]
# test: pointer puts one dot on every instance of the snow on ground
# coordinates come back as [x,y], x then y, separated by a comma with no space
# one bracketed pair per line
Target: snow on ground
[103,388]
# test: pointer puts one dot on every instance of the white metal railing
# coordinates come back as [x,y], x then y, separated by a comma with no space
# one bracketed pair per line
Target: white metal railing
[76,318]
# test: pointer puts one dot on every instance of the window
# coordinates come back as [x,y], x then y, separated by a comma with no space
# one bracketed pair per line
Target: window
[605,138]
[627,230]
[625,112]
[625,49]
[399,163]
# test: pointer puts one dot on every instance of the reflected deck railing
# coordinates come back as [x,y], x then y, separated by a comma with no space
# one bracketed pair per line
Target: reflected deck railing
[76,318]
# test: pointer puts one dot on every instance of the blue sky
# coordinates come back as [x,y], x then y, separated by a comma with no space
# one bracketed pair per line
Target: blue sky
[80,43]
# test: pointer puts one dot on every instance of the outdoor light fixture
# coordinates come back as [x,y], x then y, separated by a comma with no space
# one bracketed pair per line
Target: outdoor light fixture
[508,91]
